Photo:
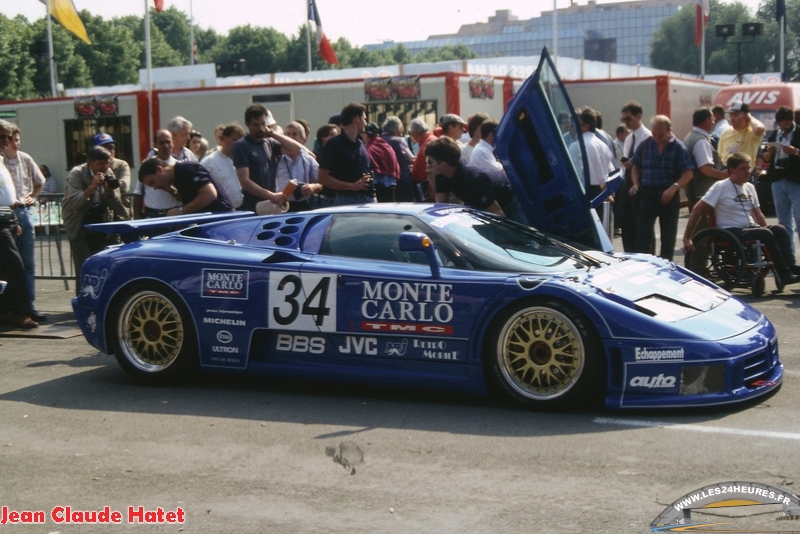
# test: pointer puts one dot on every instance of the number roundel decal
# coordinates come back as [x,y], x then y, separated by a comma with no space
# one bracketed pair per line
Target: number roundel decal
[302,301]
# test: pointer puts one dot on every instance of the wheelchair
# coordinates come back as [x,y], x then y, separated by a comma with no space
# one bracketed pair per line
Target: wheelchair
[721,257]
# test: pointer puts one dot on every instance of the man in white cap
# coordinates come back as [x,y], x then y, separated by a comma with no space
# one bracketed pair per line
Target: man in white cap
[119,167]
[745,134]
[453,127]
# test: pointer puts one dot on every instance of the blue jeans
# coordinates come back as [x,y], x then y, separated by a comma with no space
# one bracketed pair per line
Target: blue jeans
[26,248]
[650,209]
[786,195]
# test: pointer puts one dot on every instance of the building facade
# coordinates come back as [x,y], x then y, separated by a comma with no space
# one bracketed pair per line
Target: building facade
[615,33]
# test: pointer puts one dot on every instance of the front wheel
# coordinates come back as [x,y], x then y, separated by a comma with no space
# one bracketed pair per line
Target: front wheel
[546,355]
[152,338]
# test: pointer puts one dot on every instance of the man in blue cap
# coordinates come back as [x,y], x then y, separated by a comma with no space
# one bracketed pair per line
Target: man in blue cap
[120,169]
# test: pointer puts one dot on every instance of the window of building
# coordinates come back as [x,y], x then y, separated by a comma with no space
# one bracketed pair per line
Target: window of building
[79,132]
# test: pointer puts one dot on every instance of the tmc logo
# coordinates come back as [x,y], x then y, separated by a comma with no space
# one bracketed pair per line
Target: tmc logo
[659,381]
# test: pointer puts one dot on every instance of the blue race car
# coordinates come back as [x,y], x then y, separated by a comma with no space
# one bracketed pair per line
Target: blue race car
[437,296]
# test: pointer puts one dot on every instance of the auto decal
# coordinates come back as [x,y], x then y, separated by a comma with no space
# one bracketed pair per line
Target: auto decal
[302,302]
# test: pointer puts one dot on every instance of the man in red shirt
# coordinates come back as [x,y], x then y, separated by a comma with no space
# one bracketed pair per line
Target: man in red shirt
[384,163]
[424,185]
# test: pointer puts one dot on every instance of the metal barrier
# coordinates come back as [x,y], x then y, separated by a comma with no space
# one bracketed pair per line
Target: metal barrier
[52,251]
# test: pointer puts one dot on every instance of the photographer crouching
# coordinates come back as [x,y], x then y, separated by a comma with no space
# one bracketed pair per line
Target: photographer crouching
[90,196]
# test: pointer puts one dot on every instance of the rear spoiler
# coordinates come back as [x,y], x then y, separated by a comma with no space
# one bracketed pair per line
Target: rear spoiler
[130,231]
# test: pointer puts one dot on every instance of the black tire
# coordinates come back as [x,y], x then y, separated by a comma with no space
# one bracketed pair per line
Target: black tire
[151,335]
[544,354]
[718,256]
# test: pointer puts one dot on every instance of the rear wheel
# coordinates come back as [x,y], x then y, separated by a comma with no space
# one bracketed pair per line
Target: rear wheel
[718,256]
[152,337]
[546,355]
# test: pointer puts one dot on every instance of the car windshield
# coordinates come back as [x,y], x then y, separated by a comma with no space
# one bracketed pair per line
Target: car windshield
[492,243]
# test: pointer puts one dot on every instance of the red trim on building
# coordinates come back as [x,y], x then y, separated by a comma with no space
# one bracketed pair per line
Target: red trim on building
[663,103]
[141,117]
[508,92]
[452,96]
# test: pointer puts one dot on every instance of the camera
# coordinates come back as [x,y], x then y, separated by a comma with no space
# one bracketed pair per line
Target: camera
[112,181]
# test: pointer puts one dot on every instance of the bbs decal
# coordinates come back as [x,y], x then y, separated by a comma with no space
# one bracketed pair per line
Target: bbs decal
[302,301]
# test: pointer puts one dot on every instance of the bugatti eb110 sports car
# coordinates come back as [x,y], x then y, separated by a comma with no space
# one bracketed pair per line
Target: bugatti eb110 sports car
[436,296]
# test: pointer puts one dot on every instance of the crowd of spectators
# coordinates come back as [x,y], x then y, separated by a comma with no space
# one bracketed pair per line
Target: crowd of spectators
[265,168]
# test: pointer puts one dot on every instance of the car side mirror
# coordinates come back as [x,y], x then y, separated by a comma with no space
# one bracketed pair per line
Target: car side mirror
[419,242]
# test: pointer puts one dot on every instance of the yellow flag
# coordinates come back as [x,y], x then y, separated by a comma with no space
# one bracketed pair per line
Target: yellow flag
[64,12]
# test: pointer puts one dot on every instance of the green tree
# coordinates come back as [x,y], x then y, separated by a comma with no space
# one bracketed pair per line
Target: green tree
[16,63]
[113,57]
[161,53]
[673,45]
[174,26]
[71,69]
[262,49]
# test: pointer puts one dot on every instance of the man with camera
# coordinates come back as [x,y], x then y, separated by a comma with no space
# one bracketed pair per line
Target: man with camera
[120,168]
[90,196]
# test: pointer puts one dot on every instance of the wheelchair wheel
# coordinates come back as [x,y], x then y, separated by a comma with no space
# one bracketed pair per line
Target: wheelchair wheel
[718,256]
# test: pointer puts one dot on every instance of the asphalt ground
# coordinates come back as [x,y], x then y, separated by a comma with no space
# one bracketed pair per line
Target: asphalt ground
[293,456]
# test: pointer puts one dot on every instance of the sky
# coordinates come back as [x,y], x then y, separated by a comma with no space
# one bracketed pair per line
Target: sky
[359,21]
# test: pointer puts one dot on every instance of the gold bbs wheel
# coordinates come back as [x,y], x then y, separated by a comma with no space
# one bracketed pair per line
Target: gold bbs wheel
[540,353]
[151,332]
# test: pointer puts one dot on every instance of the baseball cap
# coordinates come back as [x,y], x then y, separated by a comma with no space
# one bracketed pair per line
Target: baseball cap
[102,139]
[738,105]
[451,118]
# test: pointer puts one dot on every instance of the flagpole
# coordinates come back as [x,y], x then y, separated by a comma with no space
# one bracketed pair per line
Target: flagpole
[783,29]
[308,40]
[555,32]
[191,32]
[149,65]
[51,57]
[703,51]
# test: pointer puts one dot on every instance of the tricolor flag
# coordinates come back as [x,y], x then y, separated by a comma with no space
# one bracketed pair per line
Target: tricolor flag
[65,13]
[325,48]
[159,5]
[702,10]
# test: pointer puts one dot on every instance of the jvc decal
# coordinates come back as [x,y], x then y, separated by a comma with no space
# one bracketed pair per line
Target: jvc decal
[302,302]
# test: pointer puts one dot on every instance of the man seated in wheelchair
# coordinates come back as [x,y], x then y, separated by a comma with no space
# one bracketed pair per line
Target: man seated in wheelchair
[735,206]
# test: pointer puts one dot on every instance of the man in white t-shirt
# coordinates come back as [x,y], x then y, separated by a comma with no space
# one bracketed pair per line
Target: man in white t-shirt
[220,163]
[736,208]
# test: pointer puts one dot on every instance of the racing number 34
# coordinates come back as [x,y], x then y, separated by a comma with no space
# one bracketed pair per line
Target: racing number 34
[302,302]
